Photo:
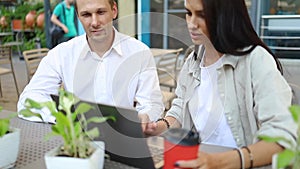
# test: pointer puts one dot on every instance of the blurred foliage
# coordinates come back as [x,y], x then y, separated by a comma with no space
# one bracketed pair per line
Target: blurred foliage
[19,12]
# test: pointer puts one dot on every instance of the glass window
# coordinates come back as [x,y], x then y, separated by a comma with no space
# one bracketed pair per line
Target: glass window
[279,7]
[177,34]
[176,4]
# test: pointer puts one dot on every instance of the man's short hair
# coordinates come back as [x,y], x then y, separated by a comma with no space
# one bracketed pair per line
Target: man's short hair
[111,2]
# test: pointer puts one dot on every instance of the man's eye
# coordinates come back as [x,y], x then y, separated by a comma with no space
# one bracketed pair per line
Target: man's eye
[85,15]
[101,12]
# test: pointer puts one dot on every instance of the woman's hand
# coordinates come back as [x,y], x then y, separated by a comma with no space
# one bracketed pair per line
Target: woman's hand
[203,161]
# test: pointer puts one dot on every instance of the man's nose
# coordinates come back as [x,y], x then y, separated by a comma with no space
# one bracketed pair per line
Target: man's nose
[95,20]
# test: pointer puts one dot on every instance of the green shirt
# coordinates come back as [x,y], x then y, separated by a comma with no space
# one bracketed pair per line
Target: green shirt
[68,19]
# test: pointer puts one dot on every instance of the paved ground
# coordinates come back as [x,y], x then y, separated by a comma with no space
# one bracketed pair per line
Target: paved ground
[10,98]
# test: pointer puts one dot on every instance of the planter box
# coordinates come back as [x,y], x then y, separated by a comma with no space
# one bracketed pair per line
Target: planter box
[95,161]
[9,148]
[17,25]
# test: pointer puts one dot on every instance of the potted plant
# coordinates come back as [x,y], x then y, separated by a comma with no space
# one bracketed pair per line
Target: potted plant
[289,158]
[9,142]
[78,149]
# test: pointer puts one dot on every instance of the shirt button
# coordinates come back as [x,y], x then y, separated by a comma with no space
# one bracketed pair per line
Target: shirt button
[229,118]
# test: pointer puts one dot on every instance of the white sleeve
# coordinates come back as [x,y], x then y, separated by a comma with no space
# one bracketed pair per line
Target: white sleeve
[45,81]
[148,94]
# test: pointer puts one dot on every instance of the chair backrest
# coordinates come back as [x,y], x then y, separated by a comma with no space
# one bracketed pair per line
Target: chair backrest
[32,59]
[167,66]
[5,55]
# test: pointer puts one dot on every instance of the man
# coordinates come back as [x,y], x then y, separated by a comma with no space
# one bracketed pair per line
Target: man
[64,16]
[102,65]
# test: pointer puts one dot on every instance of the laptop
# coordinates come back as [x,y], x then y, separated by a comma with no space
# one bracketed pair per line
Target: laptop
[124,140]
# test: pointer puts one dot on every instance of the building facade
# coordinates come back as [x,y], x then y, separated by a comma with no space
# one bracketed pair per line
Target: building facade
[161,23]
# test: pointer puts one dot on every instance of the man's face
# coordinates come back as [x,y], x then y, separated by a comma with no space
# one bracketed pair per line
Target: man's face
[96,17]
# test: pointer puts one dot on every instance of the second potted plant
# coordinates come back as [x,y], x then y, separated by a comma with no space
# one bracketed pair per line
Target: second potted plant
[78,149]
[9,142]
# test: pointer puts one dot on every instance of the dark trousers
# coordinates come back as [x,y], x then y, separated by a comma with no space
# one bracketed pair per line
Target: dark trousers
[60,40]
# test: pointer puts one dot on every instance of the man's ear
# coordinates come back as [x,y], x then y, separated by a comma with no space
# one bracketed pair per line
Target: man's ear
[115,10]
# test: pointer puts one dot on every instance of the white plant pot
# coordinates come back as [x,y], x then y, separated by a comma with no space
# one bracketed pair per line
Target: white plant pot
[9,148]
[95,161]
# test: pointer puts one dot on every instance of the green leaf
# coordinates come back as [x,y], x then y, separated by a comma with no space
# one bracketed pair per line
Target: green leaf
[51,105]
[295,110]
[78,129]
[29,103]
[4,126]
[284,158]
[29,113]
[273,139]
[93,133]
[82,108]
[62,126]
[101,119]
[49,135]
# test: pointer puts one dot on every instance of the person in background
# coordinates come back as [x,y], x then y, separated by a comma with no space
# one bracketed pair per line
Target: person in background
[80,28]
[65,17]
[231,90]
[101,66]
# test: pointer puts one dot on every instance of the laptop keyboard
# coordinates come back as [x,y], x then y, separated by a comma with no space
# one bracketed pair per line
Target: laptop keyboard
[116,165]
[156,152]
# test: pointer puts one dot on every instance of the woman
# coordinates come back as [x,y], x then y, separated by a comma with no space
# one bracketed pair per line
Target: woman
[232,91]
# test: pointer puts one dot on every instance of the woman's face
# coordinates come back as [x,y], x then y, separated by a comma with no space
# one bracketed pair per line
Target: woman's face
[196,21]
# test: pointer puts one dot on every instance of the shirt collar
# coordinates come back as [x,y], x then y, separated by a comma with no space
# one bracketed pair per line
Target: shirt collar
[116,46]
[195,61]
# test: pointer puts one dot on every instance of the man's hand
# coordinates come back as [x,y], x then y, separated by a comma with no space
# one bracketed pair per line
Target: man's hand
[144,118]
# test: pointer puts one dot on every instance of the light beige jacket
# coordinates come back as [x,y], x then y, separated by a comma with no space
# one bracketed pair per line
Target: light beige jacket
[256,97]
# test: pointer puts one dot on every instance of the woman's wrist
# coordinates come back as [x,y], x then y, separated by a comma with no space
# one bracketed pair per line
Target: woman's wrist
[163,122]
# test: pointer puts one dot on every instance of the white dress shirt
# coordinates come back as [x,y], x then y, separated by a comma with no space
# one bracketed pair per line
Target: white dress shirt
[124,74]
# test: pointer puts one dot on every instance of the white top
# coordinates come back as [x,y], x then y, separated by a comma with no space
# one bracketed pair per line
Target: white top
[126,73]
[210,109]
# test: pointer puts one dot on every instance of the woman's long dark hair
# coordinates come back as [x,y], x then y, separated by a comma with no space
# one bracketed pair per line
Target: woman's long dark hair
[230,28]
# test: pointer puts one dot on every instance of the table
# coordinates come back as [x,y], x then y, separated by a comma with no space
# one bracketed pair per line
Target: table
[33,146]
[160,52]
[3,34]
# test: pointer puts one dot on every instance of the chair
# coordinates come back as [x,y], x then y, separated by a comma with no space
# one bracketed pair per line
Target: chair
[32,60]
[18,38]
[168,98]
[167,69]
[6,61]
